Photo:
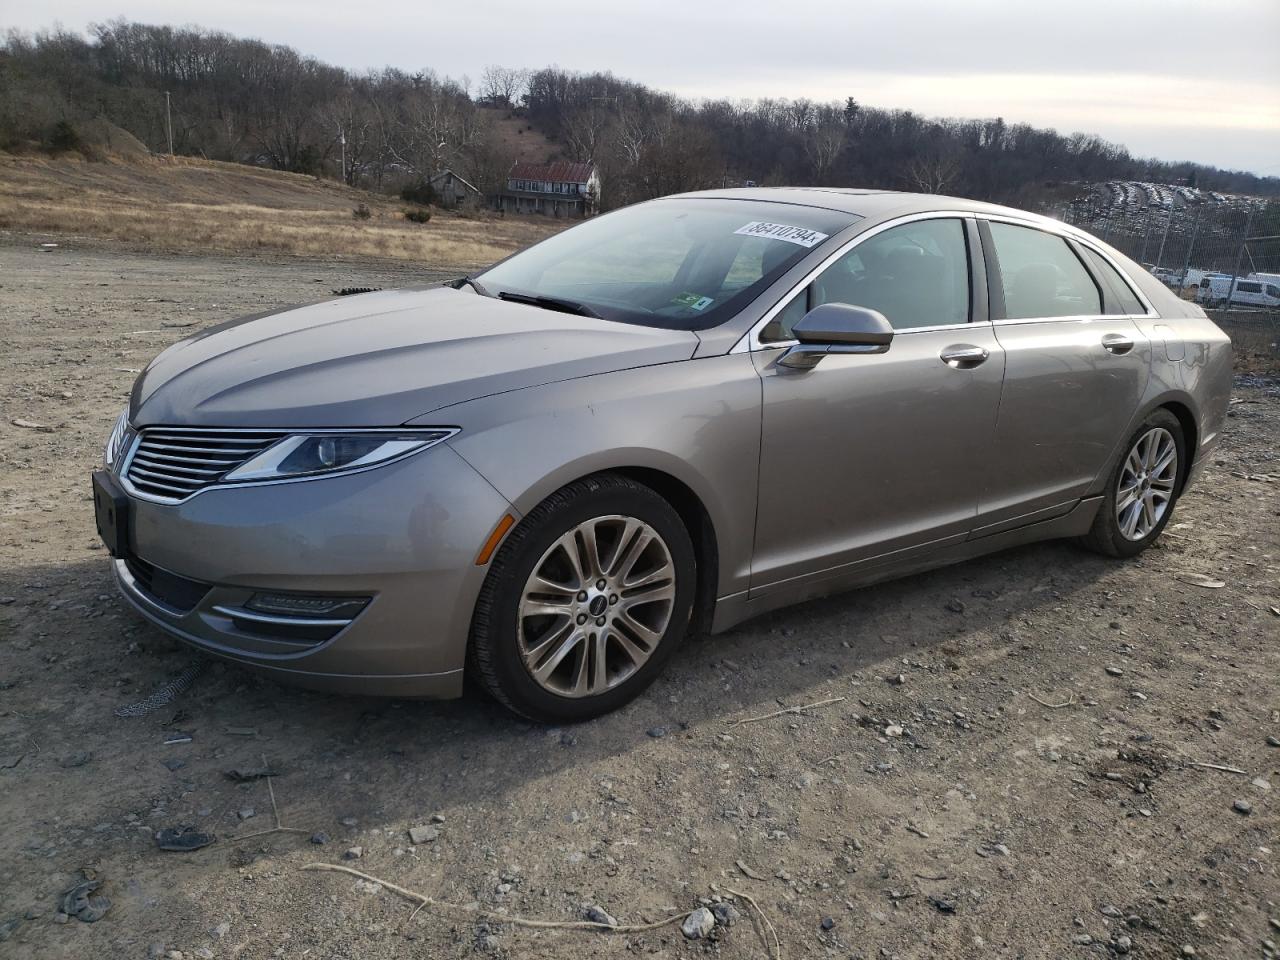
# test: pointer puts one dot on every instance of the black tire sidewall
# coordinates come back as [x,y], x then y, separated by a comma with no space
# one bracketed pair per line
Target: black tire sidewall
[606,496]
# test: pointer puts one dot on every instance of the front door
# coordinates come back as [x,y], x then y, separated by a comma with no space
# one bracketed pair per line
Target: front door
[873,454]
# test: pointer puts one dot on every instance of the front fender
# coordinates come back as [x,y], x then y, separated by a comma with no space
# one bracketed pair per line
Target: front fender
[697,421]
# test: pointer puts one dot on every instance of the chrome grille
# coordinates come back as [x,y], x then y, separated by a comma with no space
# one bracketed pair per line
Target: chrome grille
[171,463]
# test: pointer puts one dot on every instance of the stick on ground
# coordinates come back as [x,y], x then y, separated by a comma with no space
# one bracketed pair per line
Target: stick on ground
[1070,701]
[424,901]
[783,711]
[775,953]
[275,811]
[1218,766]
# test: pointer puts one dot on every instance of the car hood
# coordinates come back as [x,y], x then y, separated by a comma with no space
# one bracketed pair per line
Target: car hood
[380,359]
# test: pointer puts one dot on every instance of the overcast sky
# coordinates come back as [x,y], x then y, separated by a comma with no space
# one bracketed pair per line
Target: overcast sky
[1175,79]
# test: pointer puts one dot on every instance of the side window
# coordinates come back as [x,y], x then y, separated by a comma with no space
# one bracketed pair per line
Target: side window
[1123,299]
[1041,275]
[917,275]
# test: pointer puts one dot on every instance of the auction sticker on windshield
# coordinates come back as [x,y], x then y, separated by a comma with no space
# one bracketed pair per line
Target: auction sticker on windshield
[781,231]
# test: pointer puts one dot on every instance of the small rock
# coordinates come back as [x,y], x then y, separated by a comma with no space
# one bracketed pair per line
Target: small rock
[955,606]
[1261,783]
[1122,944]
[1242,807]
[1112,911]
[828,923]
[348,821]
[155,951]
[504,888]
[246,813]
[726,914]
[1115,671]
[1273,741]
[437,818]
[593,913]
[203,953]
[353,853]
[943,906]
[698,924]
[423,834]
[1082,939]
[173,763]
[75,760]
[893,730]
[897,681]
[568,740]
[1188,950]
[657,732]
[60,917]
[221,930]
[320,838]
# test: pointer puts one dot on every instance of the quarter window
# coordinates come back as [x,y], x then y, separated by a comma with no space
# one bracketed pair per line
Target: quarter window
[917,275]
[1121,297]
[1041,275]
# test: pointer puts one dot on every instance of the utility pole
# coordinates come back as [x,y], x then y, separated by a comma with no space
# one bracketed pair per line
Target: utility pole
[1186,264]
[342,139]
[1164,236]
[168,122]
[1145,237]
[1244,242]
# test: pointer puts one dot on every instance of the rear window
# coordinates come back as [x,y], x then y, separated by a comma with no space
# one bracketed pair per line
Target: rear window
[1041,275]
[1121,298]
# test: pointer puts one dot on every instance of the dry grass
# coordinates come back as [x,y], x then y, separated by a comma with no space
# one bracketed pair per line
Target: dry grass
[191,205]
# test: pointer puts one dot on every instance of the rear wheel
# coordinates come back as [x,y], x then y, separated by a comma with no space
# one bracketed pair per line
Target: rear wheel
[1143,489]
[585,602]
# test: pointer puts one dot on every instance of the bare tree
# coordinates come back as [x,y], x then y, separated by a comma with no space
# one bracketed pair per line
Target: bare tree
[932,172]
[502,86]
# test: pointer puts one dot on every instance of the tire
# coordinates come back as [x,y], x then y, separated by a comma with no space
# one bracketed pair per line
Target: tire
[521,630]
[1121,536]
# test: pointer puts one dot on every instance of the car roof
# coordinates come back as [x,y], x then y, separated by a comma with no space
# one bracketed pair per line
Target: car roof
[870,204]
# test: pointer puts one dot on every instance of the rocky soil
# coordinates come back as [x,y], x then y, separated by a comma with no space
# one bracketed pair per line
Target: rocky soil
[1038,754]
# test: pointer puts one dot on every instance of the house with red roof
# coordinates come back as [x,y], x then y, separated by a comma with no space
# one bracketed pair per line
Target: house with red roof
[559,189]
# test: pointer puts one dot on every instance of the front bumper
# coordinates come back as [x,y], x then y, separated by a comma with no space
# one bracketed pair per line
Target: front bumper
[405,535]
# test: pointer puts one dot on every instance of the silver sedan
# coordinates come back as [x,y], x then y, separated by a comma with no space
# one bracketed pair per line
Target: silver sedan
[664,420]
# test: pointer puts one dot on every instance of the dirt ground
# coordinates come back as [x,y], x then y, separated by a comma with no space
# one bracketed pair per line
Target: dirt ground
[936,808]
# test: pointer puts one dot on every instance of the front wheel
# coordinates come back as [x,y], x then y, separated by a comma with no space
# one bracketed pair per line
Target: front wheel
[1143,489]
[585,602]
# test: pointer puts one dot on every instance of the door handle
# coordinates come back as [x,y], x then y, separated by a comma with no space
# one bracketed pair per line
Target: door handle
[964,356]
[1117,343]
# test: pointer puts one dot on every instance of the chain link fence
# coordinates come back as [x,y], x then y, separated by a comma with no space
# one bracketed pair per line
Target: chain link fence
[1222,250]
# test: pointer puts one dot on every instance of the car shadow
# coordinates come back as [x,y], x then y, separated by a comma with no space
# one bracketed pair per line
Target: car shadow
[344,759]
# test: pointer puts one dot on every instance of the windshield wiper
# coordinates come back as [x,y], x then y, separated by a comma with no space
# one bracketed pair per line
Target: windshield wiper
[473,283]
[551,303]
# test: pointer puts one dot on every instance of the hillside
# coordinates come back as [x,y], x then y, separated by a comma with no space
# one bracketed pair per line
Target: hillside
[183,204]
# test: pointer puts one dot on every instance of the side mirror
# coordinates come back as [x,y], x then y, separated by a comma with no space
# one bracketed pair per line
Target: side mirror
[837,328]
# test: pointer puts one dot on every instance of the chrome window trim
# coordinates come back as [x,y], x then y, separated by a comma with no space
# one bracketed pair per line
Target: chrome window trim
[1068,232]
[750,341]
[122,476]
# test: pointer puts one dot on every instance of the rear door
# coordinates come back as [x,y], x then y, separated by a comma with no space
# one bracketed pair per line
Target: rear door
[1076,366]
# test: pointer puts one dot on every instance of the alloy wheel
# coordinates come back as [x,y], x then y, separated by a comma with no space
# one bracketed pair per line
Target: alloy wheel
[1147,483]
[596,606]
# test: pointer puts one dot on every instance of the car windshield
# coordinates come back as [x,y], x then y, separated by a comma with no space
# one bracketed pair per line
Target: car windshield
[686,264]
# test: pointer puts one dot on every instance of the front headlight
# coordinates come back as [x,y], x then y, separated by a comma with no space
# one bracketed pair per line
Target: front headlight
[312,454]
[116,440]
